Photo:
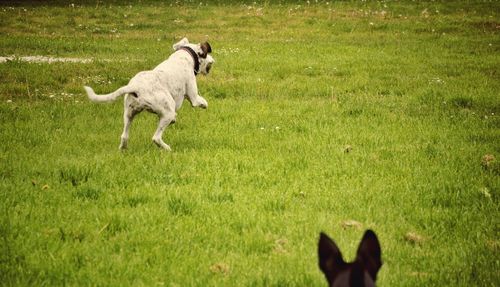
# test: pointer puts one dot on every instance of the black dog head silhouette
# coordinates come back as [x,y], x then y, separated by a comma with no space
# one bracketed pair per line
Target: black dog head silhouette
[361,272]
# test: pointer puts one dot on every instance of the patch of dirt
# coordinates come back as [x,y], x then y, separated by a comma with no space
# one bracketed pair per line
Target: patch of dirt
[44,59]
[487,26]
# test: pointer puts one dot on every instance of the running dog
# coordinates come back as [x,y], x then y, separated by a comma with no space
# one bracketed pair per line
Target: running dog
[163,89]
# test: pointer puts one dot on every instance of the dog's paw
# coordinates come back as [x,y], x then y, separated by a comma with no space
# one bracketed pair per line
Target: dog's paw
[161,144]
[202,103]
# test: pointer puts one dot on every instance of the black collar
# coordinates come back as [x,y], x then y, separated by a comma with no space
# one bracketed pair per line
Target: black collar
[195,58]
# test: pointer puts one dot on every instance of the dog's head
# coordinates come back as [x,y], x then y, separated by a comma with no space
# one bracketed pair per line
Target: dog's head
[361,272]
[203,51]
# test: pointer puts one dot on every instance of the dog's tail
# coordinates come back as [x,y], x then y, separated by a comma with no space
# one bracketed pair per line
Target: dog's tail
[106,98]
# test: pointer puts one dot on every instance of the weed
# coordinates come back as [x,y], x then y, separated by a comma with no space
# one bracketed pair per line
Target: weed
[88,193]
[75,176]
[179,206]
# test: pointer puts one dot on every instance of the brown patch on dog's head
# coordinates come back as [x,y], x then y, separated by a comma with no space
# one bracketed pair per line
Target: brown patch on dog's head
[205,48]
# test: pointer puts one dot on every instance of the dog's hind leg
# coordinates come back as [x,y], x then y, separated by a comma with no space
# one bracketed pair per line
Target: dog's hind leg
[128,116]
[165,120]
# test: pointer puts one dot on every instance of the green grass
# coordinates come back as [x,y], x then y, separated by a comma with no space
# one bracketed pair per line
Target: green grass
[412,88]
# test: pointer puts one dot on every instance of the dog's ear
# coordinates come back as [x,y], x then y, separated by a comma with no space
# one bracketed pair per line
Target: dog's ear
[180,44]
[205,48]
[330,257]
[369,253]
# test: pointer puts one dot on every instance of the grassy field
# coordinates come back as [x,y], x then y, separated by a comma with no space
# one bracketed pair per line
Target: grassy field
[323,116]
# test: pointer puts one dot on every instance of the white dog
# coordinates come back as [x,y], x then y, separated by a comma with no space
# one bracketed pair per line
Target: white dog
[162,90]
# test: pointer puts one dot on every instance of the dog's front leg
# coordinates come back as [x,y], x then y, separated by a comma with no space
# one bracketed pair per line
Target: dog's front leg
[193,97]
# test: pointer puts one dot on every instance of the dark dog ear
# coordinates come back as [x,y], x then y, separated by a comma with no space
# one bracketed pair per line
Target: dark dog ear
[369,253]
[206,48]
[330,257]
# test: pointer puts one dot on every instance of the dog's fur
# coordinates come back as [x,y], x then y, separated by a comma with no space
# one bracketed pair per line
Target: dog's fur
[360,273]
[163,89]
